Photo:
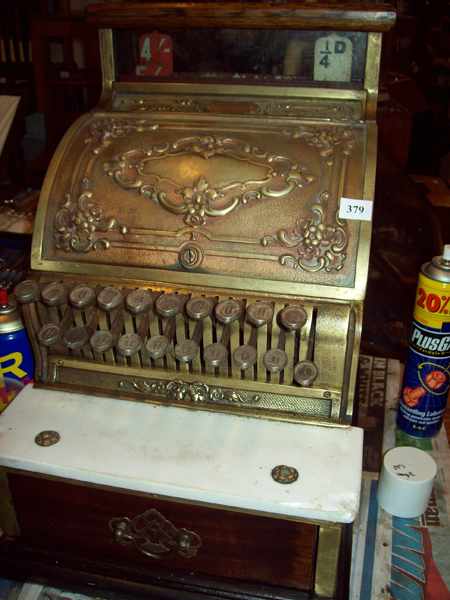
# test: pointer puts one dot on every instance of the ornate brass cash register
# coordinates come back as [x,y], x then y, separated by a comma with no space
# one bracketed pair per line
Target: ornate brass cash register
[202,242]
[196,241]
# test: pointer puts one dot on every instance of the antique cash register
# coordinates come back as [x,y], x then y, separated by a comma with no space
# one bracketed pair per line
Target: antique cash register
[202,242]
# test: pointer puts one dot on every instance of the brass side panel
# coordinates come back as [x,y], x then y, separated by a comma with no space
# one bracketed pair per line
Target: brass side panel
[8,519]
[244,202]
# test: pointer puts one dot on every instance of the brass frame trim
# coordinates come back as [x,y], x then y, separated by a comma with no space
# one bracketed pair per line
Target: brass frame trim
[106,42]
[328,550]
[221,89]
[8,519]
[372,73]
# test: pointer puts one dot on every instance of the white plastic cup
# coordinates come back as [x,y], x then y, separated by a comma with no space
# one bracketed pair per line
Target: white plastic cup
[406,481]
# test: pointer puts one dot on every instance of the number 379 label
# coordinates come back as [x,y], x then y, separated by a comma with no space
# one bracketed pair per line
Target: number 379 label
[357,210]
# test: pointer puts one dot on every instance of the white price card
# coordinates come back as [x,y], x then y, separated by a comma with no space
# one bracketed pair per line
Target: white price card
[357,210]
[333,58]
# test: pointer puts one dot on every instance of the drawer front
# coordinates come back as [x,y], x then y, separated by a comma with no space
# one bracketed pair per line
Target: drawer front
[136,529]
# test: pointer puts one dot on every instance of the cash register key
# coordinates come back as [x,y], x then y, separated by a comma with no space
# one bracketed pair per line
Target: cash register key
[82,296]
[129,344]
[27,291]
[305,373]
[168,305]
[186,350]
[157,346]
[199,308]
[245,356]
[54,294]
[49,334]
[215,354]
[139,301]
[109,298]
[228,311]
[275,360]
[76,337]
[293,317]
[101,341]
[259,313]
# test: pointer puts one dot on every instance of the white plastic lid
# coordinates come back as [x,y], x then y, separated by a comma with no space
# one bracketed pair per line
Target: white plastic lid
[406,481]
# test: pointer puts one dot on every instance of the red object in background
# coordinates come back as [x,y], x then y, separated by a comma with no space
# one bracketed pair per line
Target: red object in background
[3,297]
[155,55]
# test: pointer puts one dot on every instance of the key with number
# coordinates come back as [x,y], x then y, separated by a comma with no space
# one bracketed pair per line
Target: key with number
[197,309]
[305,371]
[226,312]
[258,314]
[167,306]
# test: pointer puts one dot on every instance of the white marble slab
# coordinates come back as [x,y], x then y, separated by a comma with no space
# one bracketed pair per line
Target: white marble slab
[201,456]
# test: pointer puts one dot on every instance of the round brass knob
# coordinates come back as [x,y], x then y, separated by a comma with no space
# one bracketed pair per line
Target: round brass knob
[75,337]
[54,294]
[275,360]
[101,341]
[245,356]
[157,346]
[82,296]
[259,313]
[199,308]
[49,334]
[293,317]
[27,291]
[168,305]
[228,311]
[305,373]
[109,298]
[186,351]
[139,301]
[215,354]
[129,344]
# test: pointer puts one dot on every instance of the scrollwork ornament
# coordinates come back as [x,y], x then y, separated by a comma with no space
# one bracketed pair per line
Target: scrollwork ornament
[327,140]
[182,391]
[77,223]
[201,199]
[317,245]
[104,131]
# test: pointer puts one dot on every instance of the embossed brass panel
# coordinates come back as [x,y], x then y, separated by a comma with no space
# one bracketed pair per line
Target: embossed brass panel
[192,224]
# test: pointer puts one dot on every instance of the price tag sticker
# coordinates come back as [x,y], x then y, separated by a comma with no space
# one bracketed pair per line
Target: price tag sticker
[356,210]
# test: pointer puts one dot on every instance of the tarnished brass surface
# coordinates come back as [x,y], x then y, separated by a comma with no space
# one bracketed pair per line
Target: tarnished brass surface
[189,238]
[327,560]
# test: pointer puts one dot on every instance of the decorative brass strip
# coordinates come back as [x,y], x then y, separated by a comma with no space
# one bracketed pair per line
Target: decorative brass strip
[182,391]
[327,560]
[153,535]
[8,519]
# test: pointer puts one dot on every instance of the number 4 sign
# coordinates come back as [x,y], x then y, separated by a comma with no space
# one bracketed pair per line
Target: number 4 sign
[155,55]
[333,58]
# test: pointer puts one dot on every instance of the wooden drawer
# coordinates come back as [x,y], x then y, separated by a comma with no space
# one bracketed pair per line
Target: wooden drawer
[77,519]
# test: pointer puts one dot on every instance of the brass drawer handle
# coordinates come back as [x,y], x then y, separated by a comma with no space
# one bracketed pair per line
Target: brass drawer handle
[155,536]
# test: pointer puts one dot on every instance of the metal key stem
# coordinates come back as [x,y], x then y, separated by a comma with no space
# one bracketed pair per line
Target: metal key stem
[306,371]
[258,314]
[226,313]
[167,306]
[197,309]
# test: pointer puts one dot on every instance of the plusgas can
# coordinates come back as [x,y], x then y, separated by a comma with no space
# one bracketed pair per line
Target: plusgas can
[426,380]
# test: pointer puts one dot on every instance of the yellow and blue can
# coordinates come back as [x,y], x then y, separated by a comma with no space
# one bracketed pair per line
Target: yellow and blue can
[426,380]
[16,356]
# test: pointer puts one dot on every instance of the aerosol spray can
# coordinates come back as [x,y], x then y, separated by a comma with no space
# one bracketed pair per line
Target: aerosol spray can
[16,356]
[427,371]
